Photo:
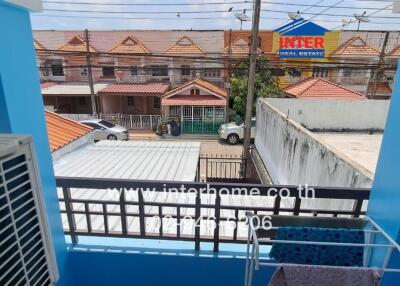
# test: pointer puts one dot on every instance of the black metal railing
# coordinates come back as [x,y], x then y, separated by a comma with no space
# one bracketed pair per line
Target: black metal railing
[218,168]
[87,209]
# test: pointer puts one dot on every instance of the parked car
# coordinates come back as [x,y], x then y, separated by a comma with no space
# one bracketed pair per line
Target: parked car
[233,132]
[105,130]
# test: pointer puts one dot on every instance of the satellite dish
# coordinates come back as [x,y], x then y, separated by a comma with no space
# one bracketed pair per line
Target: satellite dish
[361,18]
[346,22]
[242,17]
[294,16]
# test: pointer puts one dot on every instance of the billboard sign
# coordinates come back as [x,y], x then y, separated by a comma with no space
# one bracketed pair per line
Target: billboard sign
[301,39]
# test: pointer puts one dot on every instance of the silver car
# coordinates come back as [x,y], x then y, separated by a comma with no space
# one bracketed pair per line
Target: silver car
[105,130]
[233,132]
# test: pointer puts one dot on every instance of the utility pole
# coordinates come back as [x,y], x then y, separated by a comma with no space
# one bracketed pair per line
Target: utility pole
[229,76]
[251,80]
[381,62]
[90,74]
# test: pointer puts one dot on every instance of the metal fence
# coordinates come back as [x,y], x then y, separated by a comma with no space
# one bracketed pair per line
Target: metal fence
[131,216]
[217,167]
[130,121]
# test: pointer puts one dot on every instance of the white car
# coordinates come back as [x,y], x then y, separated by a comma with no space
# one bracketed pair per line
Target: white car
[233,132]
[105,130]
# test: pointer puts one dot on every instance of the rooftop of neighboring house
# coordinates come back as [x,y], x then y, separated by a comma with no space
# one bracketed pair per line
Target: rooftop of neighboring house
[130,45]
[70,88]
[239,46]
[63,131]
[395,52]
[317,88]
[155,41]
[209,94]
[355,46]
[184,46]
[382,88]
[150,88]
[76,44]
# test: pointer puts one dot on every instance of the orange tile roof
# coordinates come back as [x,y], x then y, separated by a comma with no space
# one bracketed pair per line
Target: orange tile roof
[62,131]
[38,45]
[184,46]
[195,100]
[395,52]
[355,46]
[317,88]
[76,44]
[136,88]
[239,47]
[130,45]
[381,88]
[47,84]
[201,83]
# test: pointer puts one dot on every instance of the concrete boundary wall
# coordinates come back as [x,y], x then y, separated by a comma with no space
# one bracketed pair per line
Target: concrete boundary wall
[293,155]
[334,115]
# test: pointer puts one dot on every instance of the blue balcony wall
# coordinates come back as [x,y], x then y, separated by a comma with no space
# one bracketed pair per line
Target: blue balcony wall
[124,269]
[21,105]
[385,196]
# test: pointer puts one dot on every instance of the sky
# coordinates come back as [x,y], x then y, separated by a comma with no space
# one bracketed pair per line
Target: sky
[214,14]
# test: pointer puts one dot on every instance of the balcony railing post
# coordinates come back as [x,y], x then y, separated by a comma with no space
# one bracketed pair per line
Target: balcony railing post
[141,214]
[197,222]
[357,207]
[70,215]
[217,221]
[122,201]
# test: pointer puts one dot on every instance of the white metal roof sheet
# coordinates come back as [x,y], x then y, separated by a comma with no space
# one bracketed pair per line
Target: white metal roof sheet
[72,89]
[136,160]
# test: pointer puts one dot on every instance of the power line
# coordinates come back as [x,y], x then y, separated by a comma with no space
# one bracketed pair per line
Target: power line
[200,12]
[208,3]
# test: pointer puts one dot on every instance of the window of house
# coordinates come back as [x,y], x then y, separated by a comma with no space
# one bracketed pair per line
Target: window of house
[53,68]
[108,72]
[195,91]
[134,71]
[185,70]
[294,72]
[84,71]
[320,72]
[213,73]
[159,70]
[156,102]
[131,101]
[82,100]
[347,72]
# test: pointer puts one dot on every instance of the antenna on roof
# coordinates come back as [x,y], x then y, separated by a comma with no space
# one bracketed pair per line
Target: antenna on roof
[346,22]
[361,18]
[242,17]
[294,16]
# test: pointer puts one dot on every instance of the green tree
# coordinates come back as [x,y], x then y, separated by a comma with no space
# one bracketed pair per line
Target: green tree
[265,84]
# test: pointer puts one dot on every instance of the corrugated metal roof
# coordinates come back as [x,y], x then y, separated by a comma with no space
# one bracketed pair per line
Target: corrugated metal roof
[136,160]
[72,89]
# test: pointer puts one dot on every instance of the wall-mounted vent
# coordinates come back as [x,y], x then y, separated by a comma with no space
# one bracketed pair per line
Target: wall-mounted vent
[26,250]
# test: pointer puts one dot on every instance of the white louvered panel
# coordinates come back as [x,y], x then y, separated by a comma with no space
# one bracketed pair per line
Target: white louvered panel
[26,254]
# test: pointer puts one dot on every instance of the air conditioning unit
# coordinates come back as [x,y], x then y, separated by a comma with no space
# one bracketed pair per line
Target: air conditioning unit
[26,248]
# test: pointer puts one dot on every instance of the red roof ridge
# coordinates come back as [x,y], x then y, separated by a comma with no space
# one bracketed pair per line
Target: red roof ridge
[182,38]
[134,39]
[314,82]
[201,82]
[349,42]
[394,51]
[38,45]
[71,42]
